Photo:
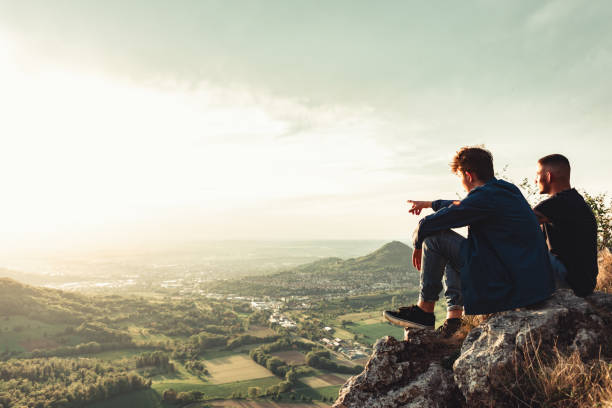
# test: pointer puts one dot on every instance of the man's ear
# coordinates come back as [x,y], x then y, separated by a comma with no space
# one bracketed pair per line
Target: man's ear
[469,176]
[549,177]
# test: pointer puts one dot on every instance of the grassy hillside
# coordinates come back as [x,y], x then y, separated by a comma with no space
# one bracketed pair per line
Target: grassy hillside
[48,322]
[45,304]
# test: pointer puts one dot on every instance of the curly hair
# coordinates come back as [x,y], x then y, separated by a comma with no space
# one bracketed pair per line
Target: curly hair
[474,159]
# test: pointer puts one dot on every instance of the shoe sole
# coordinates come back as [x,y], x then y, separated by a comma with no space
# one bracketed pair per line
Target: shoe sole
[405,323]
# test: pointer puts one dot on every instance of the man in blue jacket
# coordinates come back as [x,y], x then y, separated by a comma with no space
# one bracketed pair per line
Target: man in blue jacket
[503,264]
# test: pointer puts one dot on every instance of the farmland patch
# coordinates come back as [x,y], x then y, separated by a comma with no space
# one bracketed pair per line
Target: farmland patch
[235,368]
[260,331]
[214,391]
[373,332]
[324,380]
[342,334]
[260,404]
[291,357]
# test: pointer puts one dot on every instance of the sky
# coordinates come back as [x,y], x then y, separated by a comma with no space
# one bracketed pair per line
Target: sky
[128,122]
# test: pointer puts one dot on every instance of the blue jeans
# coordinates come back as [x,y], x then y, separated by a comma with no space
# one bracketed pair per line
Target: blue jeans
[442,259]
[559,271]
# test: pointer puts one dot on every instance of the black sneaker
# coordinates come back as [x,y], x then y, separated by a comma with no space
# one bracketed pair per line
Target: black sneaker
[412,316]
[449,327]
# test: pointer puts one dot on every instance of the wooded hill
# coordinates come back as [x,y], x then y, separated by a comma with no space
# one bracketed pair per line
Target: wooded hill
[71,323]
[56,306]
[389,267]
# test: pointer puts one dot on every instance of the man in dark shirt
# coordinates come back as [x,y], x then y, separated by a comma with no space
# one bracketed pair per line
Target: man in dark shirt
[503,264]
[569,225]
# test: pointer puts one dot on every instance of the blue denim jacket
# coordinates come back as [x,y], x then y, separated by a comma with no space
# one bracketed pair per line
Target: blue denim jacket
[506,262]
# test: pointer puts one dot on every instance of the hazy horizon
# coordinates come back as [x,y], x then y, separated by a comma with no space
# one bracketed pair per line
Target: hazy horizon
[86,269]
[128,124]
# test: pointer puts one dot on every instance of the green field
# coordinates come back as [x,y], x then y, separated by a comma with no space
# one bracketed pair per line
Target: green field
[318,393]
[373,332]
[151,398]
[359,316]
[225,368]
[342,334]
[373,326]
[218,353]
[212,391]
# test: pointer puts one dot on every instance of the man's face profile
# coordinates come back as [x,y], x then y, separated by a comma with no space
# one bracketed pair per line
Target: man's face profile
[542,179]
[466,179]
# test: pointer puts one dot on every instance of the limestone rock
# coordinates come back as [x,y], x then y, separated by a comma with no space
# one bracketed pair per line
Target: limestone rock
[417,372]
[485,370]
[403,374]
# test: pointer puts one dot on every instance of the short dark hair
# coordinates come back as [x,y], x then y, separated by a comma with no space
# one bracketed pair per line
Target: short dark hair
[555,160]
[476,160]
[558,165]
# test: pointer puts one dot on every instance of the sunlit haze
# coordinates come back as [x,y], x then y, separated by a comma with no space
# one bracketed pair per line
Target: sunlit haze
[164,121]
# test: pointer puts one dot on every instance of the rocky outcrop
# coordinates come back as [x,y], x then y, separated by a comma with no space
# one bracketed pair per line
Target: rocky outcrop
[404,373]
[485,369]
[420,371]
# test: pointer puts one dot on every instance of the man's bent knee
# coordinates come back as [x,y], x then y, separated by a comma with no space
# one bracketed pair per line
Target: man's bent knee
[432,241]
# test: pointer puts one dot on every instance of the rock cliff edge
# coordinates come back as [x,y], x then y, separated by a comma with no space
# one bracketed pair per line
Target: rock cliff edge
[482,369]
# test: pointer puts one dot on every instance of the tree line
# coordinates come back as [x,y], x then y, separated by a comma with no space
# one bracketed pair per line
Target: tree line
[64,383]
[322,359]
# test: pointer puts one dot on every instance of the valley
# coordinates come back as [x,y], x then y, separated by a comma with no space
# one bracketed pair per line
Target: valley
[295,340]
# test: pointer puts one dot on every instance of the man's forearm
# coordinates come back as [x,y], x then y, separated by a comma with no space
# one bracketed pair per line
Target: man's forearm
[437,204]
[455,214]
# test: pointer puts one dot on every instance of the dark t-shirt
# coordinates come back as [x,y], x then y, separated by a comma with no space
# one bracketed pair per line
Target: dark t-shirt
[571,235]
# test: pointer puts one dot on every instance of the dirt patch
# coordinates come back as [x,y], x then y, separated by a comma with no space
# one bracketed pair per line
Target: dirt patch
[40,344]
[324,380]
[345,363]
[333,379]
[291,357]
[314,382]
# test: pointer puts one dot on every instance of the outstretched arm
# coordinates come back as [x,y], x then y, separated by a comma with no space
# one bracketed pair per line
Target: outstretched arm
[418,206]
[473,208]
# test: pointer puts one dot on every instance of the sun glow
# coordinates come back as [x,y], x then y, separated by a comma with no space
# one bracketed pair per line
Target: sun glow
[82,152]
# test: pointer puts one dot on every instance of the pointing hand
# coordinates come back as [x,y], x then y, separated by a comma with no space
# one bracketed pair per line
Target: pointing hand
[417,206]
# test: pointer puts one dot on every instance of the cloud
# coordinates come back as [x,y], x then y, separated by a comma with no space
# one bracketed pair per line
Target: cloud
[553,13]
[230,113]
[90,152]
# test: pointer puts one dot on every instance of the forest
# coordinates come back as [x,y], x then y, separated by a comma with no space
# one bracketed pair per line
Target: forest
[57,382]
